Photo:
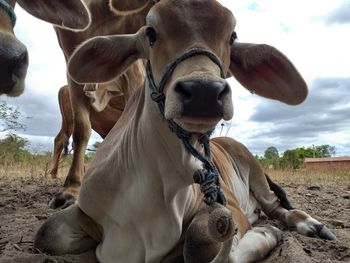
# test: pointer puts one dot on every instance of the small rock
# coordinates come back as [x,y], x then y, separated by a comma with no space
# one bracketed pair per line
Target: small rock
[40,217]
[17,247]
[314,188]
[308,251]
[338,223]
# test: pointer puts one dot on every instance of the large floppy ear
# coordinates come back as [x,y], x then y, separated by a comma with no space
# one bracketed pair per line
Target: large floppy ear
[265,71]
[104,58]
[123,7]
[69,14]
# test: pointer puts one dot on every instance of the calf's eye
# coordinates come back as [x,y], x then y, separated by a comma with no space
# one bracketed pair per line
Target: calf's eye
[152,35]
[233,37]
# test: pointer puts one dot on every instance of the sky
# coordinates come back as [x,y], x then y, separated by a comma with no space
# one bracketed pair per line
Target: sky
[313,34]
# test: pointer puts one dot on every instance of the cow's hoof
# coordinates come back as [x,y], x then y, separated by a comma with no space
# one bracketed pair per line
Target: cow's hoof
[53,174]
[220,225]
[62,200]
[308,226]
[321,231]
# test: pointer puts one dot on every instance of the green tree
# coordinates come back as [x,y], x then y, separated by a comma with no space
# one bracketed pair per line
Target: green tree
[324,150]
[12,149]
[292,158]
[295,158]
[96,145]
[271,153]
[91,153]
[10,118]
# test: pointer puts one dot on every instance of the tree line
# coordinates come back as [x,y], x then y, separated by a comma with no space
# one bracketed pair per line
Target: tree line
[13,148]
[293,159]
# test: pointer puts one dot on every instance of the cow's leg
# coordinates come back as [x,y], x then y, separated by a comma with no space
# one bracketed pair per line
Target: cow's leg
[61,141]
[199,246]
[210,236]
[256,244]
[69,231]
[247,166]
[81,134]
[303,223]
[295,219]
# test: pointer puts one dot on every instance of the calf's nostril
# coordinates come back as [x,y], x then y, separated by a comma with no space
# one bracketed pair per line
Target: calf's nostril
[20,61]
[202,97]
[13,63]
[224,92]
[184,89]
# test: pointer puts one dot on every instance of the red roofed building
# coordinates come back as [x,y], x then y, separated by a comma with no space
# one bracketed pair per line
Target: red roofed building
[330,163]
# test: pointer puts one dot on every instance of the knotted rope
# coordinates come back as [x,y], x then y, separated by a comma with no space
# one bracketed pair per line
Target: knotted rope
[208,178]
[9,10]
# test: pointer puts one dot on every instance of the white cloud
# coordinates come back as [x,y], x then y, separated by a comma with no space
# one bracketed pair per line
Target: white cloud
[340,15]
[296,28]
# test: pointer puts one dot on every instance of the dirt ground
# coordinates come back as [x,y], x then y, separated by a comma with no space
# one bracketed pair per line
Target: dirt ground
[23,208]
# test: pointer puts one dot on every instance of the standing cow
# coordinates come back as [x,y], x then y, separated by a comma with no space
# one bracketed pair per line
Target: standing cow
[101,122]
[117,17]
[74,22]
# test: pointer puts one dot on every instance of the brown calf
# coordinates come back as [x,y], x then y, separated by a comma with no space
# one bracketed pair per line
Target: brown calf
[138,201]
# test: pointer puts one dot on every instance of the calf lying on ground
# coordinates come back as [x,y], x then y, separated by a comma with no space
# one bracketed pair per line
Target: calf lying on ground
[138,201]
[70,14]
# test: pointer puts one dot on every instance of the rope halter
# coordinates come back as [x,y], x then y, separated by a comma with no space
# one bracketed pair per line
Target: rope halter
[9,10]
[208,178]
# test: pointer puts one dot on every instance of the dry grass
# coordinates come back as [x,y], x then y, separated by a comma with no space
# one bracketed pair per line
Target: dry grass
[32,171]
[303,176]
[40,171]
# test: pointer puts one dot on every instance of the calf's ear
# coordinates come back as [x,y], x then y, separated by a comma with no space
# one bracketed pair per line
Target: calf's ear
[265,71]
[102,59]
[123,7]
[69,14]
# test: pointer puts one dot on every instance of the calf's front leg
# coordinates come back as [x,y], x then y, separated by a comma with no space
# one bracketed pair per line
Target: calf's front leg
[202,242]
[199,245]
[69,231]
[210,236]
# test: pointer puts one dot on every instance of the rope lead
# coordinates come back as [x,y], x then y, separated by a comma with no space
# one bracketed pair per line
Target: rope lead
[4,4]
[208,177]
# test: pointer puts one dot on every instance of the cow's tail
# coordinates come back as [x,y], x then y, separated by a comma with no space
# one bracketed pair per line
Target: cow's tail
[280,193]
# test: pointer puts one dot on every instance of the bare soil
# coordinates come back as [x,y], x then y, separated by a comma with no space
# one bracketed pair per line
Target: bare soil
[23,208]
